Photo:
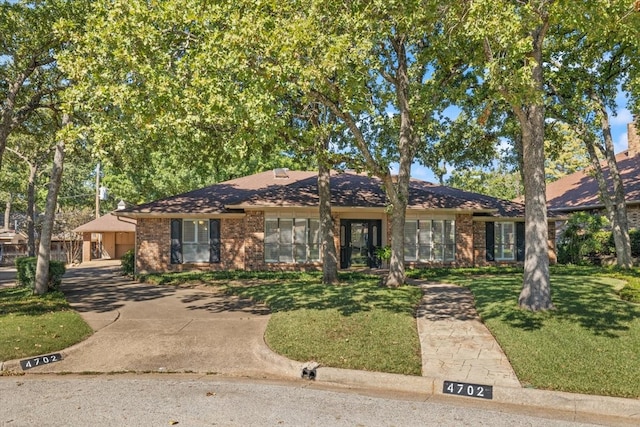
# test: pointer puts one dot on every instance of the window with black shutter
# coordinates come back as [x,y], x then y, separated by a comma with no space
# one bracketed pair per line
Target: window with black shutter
[195,240]
[176,241]
[520,241]
[490,241]
[214,241]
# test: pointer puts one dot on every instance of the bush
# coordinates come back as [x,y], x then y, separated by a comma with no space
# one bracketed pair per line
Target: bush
[128,264]
[26,272]
[634,236]
[583,239]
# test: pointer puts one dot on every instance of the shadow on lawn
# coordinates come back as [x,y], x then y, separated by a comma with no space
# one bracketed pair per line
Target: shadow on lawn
[582,300]
[362,294]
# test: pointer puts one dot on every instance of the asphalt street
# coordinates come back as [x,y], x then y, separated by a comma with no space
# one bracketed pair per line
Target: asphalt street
[157,400]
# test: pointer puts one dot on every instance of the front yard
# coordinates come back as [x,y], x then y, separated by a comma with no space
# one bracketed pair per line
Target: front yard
[589,344]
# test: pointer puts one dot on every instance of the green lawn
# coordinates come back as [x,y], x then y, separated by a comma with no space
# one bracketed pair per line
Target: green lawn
[589,344]
[32,325]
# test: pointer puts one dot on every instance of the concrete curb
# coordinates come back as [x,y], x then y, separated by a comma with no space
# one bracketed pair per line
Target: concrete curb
[541,399]
[532,398]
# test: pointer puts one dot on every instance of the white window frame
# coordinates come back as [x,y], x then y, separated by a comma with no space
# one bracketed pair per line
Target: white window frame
[505,240]
[196,250]
[424,244]
[292,240]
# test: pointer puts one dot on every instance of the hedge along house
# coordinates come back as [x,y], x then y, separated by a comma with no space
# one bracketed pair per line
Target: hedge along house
[270,221]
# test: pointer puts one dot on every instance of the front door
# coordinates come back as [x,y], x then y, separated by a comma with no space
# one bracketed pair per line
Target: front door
[358,242]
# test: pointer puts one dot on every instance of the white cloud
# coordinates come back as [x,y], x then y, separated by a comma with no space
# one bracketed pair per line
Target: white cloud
[621,142]
[624,116]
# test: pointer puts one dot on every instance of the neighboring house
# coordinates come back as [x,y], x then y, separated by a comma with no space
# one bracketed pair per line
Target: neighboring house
[270,221]
[12,237]
[579,191]
[107,237]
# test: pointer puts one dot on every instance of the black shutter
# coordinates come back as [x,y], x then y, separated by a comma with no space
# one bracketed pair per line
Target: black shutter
[519,241]
[490,241]
[214,240]
[176,241]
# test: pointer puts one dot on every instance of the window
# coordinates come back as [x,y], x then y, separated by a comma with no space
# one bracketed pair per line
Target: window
[505,241]
[429,240]
[195,241]
[291,240]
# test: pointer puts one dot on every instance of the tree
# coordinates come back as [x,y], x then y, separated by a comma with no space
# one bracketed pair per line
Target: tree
[29,77]
[44,249]
[512,37]
[375,67]
[166,84]
[589,64]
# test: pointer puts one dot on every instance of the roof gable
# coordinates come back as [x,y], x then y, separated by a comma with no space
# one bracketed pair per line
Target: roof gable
[580,189]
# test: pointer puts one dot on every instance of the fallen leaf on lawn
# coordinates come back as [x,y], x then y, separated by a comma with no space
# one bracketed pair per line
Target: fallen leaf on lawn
[211,393]
[172,422]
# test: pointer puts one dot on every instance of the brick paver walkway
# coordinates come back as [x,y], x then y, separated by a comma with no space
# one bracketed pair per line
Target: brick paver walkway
[456,345]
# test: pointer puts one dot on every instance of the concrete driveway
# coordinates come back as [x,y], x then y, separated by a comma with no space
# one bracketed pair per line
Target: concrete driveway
[144,328]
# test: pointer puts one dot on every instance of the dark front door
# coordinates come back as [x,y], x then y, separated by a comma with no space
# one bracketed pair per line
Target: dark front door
[358,242]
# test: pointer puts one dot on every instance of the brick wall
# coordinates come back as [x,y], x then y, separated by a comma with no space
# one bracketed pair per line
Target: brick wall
[480,248]
[153,245]
[254,248]
[480,244]
[633,215]
[464,240]
[232,250]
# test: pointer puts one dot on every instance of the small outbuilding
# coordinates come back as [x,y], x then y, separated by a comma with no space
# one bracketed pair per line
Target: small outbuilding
[107,237]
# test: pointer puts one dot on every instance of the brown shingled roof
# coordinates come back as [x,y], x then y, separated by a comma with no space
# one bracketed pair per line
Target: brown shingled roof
[300,189]
[108,223]
[580,189]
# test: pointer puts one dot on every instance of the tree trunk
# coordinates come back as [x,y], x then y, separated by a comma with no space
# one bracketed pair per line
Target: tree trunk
[329,253]
[397,274]
[618,207]
[398,193]
[44,249]
[7,212]
[31,210]
[5,127]
[536,286]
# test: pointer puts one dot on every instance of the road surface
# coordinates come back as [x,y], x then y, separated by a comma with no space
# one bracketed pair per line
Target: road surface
[183,400]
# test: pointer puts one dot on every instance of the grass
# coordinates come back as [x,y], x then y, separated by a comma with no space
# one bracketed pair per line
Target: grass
[589,344]
[356,324]
[31,325]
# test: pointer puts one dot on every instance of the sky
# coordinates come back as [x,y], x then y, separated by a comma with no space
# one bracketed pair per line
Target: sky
[618,130]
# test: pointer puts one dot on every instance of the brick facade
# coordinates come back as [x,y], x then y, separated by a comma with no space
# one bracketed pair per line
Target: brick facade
[633,216]
[153,245]
[242,245]
[464,240]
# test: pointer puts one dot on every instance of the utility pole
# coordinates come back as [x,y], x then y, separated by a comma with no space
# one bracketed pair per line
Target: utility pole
[98,191]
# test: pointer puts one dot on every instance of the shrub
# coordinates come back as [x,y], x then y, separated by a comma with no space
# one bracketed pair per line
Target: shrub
[128,264]
[26,272]
[634,235]
[583,237]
